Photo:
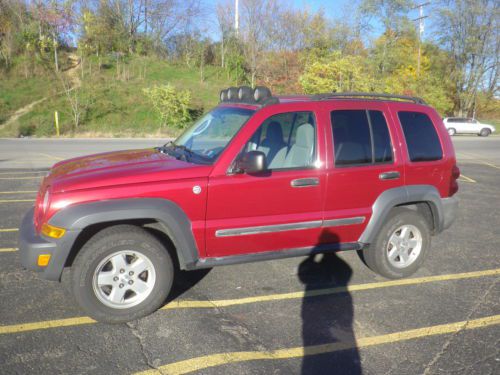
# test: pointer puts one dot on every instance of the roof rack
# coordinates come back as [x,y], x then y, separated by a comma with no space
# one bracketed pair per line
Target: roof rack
[368,95]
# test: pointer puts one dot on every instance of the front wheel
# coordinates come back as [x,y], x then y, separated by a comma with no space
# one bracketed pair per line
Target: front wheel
[401,245]
[123,273]
[452,131]
[485,132]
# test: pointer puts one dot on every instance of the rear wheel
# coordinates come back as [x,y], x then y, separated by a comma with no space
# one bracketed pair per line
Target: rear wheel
[123,273]
[452,131]
[485,132]
[401,245]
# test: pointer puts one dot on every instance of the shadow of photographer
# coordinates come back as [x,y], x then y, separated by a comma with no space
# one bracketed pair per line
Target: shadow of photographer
[327,320]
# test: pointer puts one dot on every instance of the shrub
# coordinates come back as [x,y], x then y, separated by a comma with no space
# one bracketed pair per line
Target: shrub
[26,130]
[172,105]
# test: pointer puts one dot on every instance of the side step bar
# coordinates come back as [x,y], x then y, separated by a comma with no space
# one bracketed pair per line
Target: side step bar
[270,255]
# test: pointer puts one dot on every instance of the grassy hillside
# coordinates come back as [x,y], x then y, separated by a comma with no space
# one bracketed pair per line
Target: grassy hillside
[112,98]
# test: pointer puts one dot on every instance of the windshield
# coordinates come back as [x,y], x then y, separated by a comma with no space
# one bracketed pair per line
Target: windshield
[209,136]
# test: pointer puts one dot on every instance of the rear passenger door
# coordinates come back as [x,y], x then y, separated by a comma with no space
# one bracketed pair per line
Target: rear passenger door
[361,164]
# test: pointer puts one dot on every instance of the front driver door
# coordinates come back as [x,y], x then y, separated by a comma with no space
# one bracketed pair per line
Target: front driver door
[275,210]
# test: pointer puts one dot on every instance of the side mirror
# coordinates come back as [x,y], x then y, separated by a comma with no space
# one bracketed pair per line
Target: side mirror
[252,162]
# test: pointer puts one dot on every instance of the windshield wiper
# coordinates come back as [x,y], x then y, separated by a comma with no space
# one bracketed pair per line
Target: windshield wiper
[164,150]
[170,149]
[183,148]
[187,152]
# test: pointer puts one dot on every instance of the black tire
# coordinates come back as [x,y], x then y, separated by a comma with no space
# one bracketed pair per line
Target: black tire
[485,132]
[452,131]
[376,255]
[106,243]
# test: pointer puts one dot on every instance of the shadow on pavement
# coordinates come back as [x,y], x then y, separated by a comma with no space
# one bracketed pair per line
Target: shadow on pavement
[328,319]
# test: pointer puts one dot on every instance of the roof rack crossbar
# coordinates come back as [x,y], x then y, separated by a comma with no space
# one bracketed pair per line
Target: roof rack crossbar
[367,95]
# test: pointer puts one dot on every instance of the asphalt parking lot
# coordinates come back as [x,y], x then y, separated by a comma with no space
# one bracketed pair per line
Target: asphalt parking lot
[300,315]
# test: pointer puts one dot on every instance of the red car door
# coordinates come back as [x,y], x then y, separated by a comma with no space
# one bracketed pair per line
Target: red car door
[276,210]
[361,164]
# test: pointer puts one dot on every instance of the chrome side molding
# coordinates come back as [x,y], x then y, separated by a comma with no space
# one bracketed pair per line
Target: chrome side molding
[291,226]
[267,229]
[346,221]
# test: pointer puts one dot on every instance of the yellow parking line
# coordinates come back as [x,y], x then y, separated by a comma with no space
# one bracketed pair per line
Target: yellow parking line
[467,179]
[13,173]
[200,363]
[45,325]
[20,178]
[480,160]
[16,200]
[19,192]
[53,157]
[24,162]
[3,230]
[273,297]
[328,291]
[8,249]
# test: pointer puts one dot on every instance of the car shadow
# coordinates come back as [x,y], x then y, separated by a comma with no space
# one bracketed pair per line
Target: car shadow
[183,280]
[327,319]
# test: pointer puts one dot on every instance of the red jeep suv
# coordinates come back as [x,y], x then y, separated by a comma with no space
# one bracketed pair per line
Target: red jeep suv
[259,177]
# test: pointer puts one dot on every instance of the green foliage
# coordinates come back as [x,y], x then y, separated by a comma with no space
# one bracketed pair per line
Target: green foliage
[113,107]
[335,73]
[124,49]
[102,33]
[26,130]
[172,105]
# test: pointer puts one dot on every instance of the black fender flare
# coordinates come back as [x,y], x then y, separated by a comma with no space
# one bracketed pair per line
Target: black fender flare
[172,218]
[400,196]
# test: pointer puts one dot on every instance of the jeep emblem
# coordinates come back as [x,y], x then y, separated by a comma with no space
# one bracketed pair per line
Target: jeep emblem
[196,189]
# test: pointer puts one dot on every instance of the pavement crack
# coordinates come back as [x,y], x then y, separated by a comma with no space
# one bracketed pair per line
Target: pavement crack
[142,344]
[446,345]
[243,333]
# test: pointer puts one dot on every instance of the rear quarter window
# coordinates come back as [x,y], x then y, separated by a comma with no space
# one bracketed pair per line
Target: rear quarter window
[421,137]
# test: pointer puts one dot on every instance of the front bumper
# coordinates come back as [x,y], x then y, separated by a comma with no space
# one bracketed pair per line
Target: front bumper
[450,211]
[31,245]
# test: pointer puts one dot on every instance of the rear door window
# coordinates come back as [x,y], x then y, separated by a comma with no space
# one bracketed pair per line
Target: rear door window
[421,137]
[360,137]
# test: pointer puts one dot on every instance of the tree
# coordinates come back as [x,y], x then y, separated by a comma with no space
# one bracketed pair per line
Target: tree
[469,30]
[256,20]
[392,15]
[336,73]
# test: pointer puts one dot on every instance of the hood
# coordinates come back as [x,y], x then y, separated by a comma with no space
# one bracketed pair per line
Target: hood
[118,168]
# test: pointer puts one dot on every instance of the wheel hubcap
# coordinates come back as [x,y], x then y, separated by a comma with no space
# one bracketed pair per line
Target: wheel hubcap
[404,246]
[124,279]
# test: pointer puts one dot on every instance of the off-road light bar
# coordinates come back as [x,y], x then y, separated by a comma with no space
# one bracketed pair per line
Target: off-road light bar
[245,94]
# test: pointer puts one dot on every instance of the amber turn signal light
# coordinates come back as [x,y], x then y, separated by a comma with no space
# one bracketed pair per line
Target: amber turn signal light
[52,231]
[43,260]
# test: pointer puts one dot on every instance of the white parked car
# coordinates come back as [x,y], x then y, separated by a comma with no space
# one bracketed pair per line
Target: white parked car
[460,125]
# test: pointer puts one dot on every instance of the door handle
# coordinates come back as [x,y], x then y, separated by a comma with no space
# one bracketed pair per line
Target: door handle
[303,182]
[393,175]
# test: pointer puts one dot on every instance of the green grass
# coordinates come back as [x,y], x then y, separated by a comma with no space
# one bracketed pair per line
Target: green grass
[16,92]
[114,106]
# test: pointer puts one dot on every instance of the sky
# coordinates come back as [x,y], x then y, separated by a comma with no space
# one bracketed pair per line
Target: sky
[337,8]
[330,6]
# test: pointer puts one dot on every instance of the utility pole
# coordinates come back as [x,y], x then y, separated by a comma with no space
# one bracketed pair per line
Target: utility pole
[236,17]
[420,20]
